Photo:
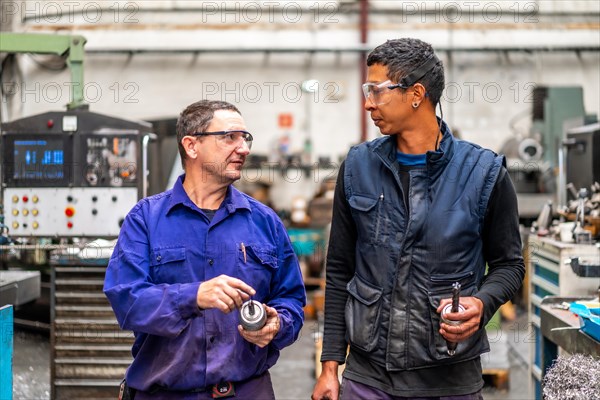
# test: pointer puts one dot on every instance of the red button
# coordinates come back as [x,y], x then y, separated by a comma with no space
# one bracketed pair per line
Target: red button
[25,199]
[69,224]
[69,211]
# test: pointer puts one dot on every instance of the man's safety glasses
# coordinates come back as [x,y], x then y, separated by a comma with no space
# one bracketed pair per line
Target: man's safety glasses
[229,139]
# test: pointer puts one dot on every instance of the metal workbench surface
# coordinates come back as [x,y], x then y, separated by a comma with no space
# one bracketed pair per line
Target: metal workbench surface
[571,339]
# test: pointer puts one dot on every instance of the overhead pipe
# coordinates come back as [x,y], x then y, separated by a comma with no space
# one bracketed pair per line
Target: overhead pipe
[357,49]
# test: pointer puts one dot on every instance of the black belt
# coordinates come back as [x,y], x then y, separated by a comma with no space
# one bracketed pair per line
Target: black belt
[220,390]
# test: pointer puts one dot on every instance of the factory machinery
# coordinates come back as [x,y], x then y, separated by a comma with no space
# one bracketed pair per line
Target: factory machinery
[68,180]
[70,174]
[556,172]
[537,160]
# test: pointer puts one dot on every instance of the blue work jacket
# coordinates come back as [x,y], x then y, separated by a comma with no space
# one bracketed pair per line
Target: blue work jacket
[167,247]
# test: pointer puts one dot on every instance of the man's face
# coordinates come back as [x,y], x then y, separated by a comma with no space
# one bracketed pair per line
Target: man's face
[389,109]
[218,158]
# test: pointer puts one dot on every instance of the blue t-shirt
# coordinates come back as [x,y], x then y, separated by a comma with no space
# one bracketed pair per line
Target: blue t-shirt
[408,162]
[411,159]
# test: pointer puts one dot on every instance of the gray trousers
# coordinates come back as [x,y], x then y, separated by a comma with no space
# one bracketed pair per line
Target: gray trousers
[352,390]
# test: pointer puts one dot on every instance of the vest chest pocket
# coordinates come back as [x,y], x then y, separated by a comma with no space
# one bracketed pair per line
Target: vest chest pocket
[363,313]
[168,265]
[372,219]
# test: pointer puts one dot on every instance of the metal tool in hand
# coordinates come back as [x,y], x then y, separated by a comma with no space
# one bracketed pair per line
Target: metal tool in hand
[253,315]
[453,307]
[455,296]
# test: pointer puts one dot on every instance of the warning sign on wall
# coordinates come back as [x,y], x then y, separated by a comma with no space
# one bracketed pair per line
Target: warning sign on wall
[286,120]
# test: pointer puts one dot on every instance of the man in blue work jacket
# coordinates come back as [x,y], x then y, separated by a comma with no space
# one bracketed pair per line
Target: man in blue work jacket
[187,259]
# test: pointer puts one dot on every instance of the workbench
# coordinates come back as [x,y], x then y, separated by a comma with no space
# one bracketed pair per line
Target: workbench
[559,329]
[551,275]
[19,287]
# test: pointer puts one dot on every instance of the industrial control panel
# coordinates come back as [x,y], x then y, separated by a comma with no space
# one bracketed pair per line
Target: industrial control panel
[71,174]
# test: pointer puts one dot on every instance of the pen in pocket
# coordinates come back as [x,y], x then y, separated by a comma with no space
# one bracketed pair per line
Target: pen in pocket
[243,248]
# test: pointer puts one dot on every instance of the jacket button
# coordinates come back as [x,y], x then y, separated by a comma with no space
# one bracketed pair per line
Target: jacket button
[158,258]
[212,339]
[211,261]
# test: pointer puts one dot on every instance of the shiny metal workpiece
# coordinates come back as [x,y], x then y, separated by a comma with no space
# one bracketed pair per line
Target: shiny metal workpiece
[253,315]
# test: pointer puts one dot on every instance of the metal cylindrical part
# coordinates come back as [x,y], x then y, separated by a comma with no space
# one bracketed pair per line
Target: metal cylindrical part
[448,309]
[253,315]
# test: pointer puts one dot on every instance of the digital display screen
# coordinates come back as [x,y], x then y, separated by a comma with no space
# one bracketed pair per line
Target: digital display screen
[39,159]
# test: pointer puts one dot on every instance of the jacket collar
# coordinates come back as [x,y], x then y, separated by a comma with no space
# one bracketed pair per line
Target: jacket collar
[234,199]
[385,148]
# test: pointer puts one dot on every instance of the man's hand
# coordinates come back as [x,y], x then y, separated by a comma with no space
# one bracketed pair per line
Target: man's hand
[328,384]
[263,337]
[224,293]
[470,319]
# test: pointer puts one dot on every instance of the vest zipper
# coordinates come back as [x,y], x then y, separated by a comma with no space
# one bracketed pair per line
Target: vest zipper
[378,223]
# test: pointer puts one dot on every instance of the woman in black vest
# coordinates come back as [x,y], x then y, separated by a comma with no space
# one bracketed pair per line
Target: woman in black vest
[416,212]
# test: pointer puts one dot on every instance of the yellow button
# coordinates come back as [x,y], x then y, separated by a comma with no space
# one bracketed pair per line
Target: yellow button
[35,211]
[35,225]
[25,211]
[15,225]
[15,212]
[35,199]
[15,199]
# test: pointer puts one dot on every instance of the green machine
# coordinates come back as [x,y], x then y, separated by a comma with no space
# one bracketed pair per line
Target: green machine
[555,110]
[70,46]
[533,161]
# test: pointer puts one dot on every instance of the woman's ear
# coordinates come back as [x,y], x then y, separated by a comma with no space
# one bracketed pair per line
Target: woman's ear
[419,93]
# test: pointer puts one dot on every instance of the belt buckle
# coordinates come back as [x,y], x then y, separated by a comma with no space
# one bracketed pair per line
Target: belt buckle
[223,390]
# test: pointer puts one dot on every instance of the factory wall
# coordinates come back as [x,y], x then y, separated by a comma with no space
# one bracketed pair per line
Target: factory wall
[126,74]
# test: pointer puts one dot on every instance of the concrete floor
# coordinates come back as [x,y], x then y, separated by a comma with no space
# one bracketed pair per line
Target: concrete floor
[31,365]
[293,376]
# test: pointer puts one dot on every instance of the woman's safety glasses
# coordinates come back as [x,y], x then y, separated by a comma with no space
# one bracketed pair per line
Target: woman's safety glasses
[379,93]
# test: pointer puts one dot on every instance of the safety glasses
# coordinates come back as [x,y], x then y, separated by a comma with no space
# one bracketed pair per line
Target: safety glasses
[229,139]
[379,93]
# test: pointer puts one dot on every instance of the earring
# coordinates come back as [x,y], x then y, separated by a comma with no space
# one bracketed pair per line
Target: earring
[415,105]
